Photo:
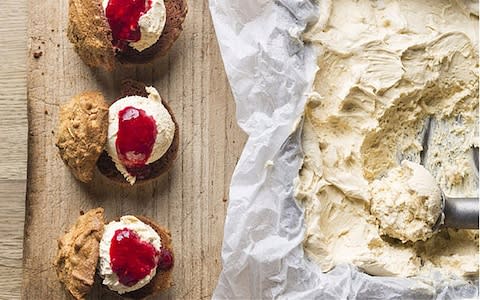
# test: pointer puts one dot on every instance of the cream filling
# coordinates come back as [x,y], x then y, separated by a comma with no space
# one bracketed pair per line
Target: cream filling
[384,68]
[153,107]
[151,24]
[146,234]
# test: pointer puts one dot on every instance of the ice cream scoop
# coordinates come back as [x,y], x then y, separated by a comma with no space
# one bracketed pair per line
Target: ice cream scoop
[410,206]
[460,213]
[406,203]
[136,23]
[140,132]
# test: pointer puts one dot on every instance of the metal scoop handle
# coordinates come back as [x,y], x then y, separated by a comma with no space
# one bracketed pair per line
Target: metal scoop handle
[461,213]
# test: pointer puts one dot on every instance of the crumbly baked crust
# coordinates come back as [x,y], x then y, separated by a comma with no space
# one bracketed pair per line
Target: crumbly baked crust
[89,32]
[82,133]
[107,167]
[78,252]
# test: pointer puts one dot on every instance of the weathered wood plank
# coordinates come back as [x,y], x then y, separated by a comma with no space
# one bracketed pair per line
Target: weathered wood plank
[13,144]
[12,214]
[190,200]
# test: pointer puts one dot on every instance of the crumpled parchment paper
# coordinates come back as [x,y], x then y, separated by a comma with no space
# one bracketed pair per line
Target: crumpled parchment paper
[271,71]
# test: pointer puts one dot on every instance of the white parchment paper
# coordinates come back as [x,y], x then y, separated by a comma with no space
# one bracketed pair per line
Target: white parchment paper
[271,72]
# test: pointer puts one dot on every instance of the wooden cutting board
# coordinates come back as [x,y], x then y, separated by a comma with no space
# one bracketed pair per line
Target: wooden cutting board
[191,199]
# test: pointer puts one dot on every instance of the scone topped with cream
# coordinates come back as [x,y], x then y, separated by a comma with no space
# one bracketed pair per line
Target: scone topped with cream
[137,24]
[133,255]
[140,131]
[131,252]
[137,141]
[132,31]
[143,136]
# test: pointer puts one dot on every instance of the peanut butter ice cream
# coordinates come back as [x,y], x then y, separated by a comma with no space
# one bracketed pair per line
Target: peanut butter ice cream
[384,69]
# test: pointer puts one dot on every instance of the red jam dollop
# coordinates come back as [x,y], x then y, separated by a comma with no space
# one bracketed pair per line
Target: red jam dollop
[123,16]
[131,258]
[136,137]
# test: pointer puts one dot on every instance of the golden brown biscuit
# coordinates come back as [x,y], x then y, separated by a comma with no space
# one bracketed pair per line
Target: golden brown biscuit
[90,33]
[107,167]
[78,252]
[82,133]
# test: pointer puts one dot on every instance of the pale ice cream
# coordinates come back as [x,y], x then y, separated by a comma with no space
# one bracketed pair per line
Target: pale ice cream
[153,107]
[384,68]
[146,234]
[151,24]
[407,202]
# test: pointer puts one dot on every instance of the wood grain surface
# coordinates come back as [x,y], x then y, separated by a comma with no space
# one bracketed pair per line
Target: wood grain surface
[191,199]
[13,143]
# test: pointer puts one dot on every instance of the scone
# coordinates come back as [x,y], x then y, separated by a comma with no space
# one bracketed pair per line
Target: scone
[133,256]
[143,136]
[78,253]
[103,31]
[82,133]
[134,140]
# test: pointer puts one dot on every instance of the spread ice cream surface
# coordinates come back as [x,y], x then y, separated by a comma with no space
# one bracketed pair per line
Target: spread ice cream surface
[384,69]
[151,23]
[154,136]
[145,233]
